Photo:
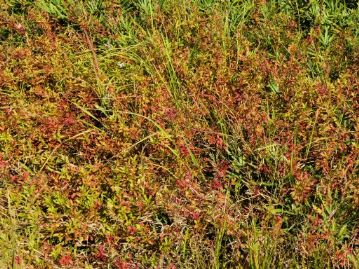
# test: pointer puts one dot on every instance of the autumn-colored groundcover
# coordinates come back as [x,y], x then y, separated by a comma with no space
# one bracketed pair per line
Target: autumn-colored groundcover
[179,134]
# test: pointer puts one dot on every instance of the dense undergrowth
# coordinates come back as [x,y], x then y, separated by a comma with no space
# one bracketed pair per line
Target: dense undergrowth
[179,134]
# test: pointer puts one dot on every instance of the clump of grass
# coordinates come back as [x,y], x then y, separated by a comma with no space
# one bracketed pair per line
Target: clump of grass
[179,134]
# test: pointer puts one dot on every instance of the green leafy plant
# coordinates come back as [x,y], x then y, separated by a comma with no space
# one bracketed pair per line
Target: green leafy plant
[179,134]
